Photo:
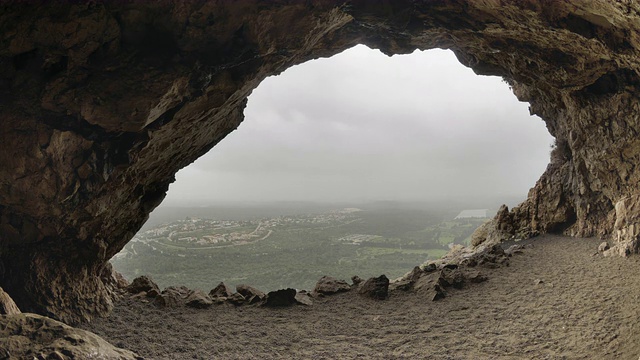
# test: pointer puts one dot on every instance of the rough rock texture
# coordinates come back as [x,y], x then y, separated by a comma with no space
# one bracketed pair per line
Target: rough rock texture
[280,298]
[198,299]
[251,294]
[222,290]
[31,336]
[101,103]
[7,305]
[172,296]
[375,288]
[142,283]
[328,285]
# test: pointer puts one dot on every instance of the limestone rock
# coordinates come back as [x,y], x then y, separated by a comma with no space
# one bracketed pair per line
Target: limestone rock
[304,298]
[280,298]
[31,336]
[251,294]
[495,231]
[604,246]
[172,296]
[7,305]
[198,299]
[142,283]
[121,281]
[236,299]
[86,155]
[221,290]
[328,285]
[376,288]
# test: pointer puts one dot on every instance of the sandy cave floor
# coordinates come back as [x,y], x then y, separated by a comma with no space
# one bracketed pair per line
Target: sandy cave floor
[587,307]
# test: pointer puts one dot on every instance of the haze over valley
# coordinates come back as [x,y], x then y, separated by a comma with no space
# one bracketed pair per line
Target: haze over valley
[409,141]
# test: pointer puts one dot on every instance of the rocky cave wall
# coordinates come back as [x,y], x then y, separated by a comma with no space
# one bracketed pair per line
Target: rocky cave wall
[101,103]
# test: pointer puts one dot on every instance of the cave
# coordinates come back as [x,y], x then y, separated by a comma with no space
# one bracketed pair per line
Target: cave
[102,103]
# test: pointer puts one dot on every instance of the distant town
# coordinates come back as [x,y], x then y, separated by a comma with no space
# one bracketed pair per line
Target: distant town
[205,233]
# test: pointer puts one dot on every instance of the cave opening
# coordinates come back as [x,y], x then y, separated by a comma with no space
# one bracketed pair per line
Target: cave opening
[405,138]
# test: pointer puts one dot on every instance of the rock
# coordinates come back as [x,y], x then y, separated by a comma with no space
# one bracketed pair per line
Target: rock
[474,276]
[172,296]
[236,299]
[31,336]
[140,295]
[153,293]
[403,285]
[356,280]
[142,283]
[538,281]
[437,293]
[480,234]
[121,281]
[303,298]
[429,268]
[406,282]
[418,272]
[199,300]
[251,294]
[451,277]
[604,246]
[81,179]
[376,288]
[7,305]
[328,285]
[221,290]
[280,298]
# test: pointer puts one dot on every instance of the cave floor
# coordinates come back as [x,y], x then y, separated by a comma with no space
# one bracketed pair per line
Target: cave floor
[557,300]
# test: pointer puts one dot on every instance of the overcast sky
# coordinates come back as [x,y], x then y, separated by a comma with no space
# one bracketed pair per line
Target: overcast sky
[362,126]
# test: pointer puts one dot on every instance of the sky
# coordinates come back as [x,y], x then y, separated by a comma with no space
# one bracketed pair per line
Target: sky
[361,126]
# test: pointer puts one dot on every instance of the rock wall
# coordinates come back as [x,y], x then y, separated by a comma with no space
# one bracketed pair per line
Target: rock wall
[101,103]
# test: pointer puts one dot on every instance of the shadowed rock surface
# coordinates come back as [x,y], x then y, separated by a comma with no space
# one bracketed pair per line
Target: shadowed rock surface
[102,103]
[7,305]
[31,336]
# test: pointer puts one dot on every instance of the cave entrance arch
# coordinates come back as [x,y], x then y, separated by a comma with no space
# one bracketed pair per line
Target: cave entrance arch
[104,102]
[352,129]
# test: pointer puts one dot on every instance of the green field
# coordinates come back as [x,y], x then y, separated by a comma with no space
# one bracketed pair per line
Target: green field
[297,254]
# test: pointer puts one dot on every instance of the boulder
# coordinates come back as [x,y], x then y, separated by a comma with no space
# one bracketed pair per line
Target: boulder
[356,280]
[251,294]
[236,299]
[328,285]
[280,298]
[376,288]
[142,283]
[198,299]
[222,290]
[31,336]
[7,306]
[303,298]
[172,296]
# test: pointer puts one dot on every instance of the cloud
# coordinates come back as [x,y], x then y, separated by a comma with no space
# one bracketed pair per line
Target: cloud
[364,126]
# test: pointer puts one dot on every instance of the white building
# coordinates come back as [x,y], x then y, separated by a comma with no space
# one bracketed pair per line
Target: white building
[475,213]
